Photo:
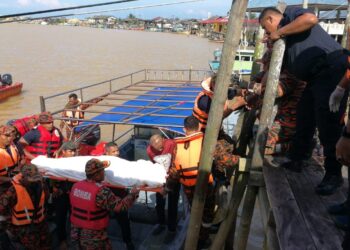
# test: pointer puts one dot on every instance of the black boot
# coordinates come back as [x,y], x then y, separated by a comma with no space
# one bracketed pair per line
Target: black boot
[338,209]
[294,166]
[329,185]
[342,222]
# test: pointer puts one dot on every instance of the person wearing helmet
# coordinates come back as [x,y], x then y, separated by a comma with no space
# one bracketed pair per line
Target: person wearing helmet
[91,202]
[45,139]
[203,101]
[24,205]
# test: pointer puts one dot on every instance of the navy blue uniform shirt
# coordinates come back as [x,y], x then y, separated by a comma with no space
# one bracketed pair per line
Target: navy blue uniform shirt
[308,49]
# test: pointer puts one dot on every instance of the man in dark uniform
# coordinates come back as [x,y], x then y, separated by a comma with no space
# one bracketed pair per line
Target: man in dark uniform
[25,201]
[91,201]
[315,57]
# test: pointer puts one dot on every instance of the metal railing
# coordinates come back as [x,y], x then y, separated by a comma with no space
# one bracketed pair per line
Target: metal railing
[102,89]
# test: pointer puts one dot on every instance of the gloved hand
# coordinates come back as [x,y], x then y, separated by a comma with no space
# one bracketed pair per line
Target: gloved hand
[335,99]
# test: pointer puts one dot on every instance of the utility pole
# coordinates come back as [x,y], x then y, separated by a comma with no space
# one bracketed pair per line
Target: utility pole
[230,46]
[345,42]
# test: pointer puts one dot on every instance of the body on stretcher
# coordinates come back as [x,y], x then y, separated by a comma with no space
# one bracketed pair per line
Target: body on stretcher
[120,174]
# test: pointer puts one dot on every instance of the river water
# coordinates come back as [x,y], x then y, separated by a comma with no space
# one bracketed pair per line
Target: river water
[52,59]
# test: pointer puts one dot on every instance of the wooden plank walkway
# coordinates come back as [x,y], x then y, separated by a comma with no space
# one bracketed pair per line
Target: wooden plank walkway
[302,220]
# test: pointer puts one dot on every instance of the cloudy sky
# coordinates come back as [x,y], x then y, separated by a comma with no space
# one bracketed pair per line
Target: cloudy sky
[199,9]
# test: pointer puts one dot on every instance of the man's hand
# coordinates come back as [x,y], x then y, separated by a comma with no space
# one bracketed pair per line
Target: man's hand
[343,151]
[335,99]
[274,36]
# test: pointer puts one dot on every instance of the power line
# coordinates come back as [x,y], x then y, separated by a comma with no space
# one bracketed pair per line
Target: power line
[64,9]
[101,11]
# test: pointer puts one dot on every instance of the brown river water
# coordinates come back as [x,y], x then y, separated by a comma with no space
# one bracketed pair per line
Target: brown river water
[53,59]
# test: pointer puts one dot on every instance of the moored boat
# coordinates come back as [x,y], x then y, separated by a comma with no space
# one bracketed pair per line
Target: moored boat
[10,90]
[243,61]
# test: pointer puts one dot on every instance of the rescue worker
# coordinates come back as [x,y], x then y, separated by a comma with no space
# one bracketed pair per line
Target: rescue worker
[9,156]
[313,56]
[185,171]
[45,139]
[160,146]
[9,159]
[72,110]
[25,202]
[122,217]
[201,110]
[203,101]
[25,124]
[15,136]
[60,194]
[91,202]
[289,91]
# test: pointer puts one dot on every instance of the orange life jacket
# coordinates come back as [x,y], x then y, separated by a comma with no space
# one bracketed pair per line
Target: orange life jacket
[187,159]
[85,214]
[48,143]
[9,159]
[78,114]
[201,115]
[23,211]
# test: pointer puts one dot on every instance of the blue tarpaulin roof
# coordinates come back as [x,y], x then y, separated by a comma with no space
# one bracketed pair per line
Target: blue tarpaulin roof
[166,101]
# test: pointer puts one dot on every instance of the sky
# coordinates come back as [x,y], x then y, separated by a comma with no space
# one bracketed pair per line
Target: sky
[200,9]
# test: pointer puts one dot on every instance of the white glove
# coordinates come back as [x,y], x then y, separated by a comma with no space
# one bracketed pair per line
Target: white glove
[335,99]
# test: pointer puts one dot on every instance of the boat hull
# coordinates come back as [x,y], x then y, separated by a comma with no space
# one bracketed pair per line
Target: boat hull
[8,91]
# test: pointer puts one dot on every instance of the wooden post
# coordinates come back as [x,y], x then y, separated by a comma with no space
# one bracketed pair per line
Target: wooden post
[237,195]
[246,218]
[259,49]
[230,46]
[42,104]
[268,103]
[345,42]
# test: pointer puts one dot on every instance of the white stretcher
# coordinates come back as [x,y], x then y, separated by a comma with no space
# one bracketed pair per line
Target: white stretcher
[120,173]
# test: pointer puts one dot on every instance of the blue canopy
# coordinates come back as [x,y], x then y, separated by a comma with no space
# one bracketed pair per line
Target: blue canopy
[161,107]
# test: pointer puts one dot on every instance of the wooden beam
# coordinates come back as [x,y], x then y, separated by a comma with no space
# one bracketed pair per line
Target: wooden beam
[345,42]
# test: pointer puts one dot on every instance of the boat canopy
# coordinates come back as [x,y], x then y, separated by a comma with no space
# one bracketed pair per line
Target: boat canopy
[162,107]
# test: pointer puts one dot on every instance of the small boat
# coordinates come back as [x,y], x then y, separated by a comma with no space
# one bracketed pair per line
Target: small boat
[243,61]
[10,90]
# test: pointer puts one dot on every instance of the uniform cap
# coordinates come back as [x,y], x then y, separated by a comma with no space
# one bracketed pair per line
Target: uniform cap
[45,117]
[95,165]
